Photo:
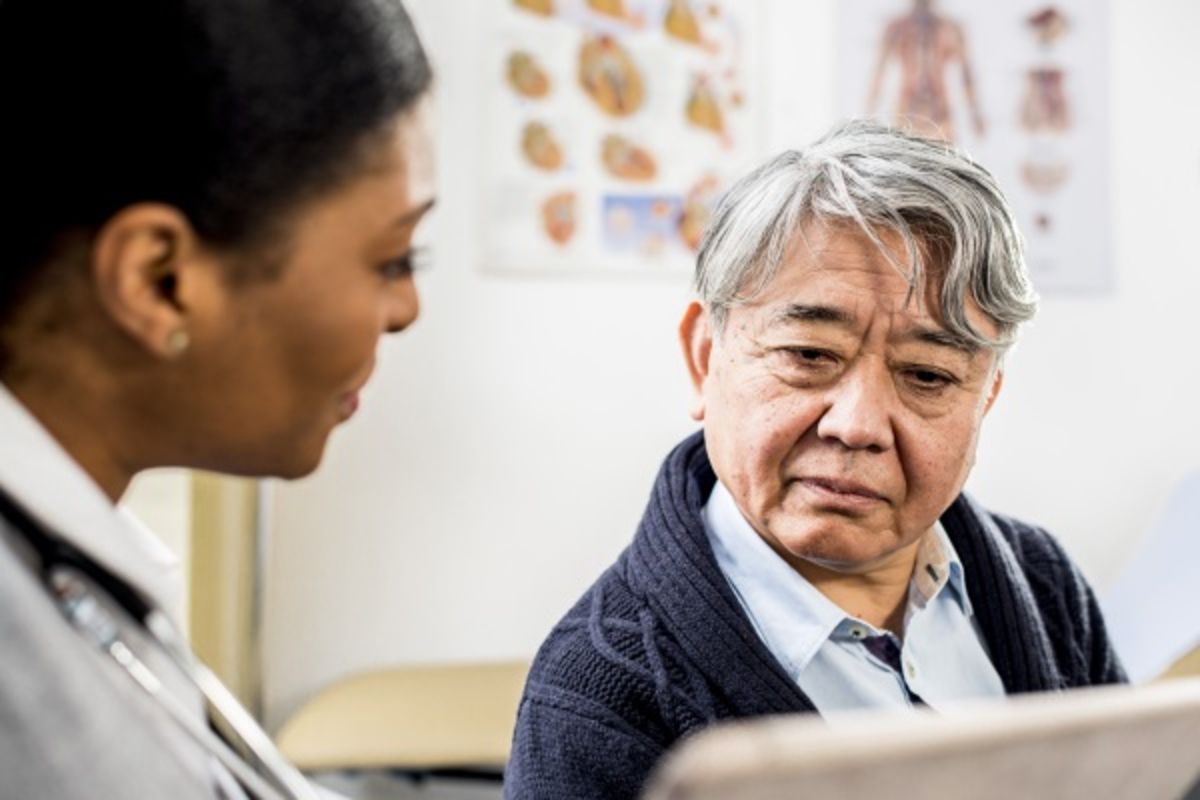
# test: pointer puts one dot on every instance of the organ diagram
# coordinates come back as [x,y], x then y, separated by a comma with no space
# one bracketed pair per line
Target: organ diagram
[613,126]
[926,46]
[540,147]
[526,76]
[1044,112]
[1023,86]
[609,76]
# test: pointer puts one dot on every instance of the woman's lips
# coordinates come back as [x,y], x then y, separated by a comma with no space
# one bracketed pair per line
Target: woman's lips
[347,405]
[349,401]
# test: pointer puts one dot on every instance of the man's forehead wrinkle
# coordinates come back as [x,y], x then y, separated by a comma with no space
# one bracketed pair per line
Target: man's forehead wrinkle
[803,243]
[847,305]
[834,276]
[850,255]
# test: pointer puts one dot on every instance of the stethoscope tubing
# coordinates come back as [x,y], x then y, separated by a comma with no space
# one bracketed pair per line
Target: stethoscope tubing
[64,569]
[87,617]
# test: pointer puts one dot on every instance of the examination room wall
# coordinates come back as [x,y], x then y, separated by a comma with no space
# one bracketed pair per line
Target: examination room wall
[505,449]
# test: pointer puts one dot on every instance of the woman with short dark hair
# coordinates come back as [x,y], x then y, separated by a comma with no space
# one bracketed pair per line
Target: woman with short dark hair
[210,207]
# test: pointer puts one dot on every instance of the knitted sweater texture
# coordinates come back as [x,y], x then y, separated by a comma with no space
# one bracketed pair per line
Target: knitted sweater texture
[659,646]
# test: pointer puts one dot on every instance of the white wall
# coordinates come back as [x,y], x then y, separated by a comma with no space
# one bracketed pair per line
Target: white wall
[505,449]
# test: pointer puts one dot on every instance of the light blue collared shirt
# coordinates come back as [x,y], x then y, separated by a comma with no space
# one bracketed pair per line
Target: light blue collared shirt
[943,656]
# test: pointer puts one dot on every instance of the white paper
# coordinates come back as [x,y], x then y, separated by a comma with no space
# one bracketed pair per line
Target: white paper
[1153,609]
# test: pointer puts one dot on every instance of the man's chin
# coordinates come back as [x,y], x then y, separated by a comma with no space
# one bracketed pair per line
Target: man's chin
[839,547]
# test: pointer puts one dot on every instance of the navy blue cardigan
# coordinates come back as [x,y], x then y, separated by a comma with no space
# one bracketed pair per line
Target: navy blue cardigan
[659,647]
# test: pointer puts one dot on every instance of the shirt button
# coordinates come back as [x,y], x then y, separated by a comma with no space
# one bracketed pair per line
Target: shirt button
[910,669]
[858,631]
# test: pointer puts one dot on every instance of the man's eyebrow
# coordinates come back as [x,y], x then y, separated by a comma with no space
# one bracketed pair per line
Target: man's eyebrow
[943,338]
[801,312]
[939,337]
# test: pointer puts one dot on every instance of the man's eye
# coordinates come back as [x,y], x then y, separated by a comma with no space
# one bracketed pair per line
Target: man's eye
[810,356]
[811,362]
[928,380]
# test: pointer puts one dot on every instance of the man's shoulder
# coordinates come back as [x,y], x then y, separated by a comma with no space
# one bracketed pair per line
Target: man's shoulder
[1031,544]
[599,636]
[588,725]
[1048,570]
[609,660]
[1064,601]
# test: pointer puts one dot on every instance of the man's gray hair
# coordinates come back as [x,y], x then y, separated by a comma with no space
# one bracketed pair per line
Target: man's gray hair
[948,211]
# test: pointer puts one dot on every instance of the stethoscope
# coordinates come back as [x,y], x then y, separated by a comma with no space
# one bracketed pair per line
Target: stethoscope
[79,585]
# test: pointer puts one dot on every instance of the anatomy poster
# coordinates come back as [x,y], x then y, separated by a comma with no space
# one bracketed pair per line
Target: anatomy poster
[1023,86]
[614,125]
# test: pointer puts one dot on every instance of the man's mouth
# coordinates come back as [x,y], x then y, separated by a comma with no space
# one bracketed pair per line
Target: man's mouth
[842,492]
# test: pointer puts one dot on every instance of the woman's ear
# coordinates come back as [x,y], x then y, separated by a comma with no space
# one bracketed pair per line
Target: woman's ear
[138,264]
[695,335]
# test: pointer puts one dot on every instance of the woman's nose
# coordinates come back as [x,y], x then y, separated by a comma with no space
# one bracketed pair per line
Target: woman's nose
[404,306]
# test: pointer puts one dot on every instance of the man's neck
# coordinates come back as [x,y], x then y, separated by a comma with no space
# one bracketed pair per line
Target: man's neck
[878,596]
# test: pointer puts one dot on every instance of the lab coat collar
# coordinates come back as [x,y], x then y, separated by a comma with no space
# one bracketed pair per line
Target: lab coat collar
[42,478]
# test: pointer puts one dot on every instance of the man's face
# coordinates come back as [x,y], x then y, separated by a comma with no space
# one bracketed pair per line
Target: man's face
[842,419]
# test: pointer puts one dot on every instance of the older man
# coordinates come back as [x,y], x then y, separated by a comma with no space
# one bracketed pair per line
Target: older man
[811,549]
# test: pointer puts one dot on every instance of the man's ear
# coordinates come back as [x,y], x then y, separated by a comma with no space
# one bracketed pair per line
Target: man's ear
[695,334]
[137,265]
[997,382]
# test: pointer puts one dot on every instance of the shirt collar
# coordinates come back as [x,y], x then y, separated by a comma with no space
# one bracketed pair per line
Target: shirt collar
[50,486]
[937,567]
[789,613]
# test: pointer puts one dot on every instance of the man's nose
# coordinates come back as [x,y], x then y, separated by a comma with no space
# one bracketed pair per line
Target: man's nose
[860,409]
[404,306]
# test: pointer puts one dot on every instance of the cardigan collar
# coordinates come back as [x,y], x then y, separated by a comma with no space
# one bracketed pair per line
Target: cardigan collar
[671,565]
[1003,600]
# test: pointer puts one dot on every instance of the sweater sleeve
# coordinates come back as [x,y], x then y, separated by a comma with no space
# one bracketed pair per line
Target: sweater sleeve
[569,747]
[1102,662]
[604,700]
